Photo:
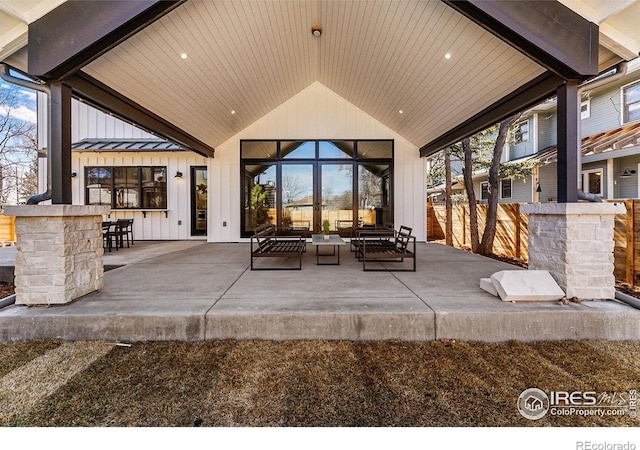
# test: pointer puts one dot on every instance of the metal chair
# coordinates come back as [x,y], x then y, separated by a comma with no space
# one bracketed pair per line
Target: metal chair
[109,235]
[125,230]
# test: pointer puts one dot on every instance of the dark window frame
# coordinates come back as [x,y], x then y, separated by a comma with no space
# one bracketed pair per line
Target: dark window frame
[503,183]
[521,135]
[484,190]
[139,186]
[278,160]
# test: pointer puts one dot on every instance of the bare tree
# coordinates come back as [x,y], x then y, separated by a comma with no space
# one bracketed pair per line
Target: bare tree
[471,195]
[18,146]
[486,246]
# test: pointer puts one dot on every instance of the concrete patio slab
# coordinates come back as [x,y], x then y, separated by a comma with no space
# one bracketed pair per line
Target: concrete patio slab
[197,291]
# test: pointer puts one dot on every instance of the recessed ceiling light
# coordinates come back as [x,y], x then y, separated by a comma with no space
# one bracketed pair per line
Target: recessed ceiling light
[184,56]
[233,111]
[400,111]
[447,56]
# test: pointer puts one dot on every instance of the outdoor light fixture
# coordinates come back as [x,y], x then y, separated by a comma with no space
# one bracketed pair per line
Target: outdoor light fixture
[316,30]
[538,189]
[178,174]
[626,173]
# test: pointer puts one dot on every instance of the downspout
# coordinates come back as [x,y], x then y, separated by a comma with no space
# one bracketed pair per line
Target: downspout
[628,299]
[620,71]
[6,76]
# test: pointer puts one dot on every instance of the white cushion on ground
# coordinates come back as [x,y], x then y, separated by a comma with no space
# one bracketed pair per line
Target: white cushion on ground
[487,285]
[526,286]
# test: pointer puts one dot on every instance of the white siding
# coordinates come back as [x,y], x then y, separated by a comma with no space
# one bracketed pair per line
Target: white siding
[155,226]
[315,113]
[88,122]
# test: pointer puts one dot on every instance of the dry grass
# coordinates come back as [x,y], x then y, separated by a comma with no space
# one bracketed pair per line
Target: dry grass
[318,383]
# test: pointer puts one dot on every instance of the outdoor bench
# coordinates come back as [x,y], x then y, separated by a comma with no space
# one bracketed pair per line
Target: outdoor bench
[265,243]
[384,248]
[381,237]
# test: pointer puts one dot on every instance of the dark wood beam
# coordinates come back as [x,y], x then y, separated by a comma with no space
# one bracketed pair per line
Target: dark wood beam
[60,158]
[77,32]
[569,142]
[532,93]
[101,96]
[548,32]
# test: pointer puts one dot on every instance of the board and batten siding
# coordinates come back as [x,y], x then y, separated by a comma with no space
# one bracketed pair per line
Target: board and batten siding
[88,122]
[315,113]
[155,226]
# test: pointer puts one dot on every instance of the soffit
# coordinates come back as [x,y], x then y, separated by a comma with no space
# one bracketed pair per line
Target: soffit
[618,23]
[15,16]
[250,57]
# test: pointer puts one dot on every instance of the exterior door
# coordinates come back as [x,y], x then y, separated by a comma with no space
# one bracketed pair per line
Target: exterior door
[335,196]
[199,203]
[298,200]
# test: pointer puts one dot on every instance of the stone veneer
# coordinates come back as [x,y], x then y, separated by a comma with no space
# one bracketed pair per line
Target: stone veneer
[59,252]
[574,242]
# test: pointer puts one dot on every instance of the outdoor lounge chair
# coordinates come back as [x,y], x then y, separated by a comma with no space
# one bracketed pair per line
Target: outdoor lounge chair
[265,243]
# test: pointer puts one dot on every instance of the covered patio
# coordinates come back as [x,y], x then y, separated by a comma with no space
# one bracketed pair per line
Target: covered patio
[196,291]
[212,75]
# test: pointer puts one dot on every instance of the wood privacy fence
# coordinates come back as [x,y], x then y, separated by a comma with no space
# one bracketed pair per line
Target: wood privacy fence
[7,230]
[511,238]
[512,234]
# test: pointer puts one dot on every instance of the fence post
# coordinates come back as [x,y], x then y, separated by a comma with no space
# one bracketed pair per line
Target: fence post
[464,225]
[518,226]
[631,243]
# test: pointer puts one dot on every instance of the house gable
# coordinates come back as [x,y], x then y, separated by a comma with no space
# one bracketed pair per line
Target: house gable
[316,113]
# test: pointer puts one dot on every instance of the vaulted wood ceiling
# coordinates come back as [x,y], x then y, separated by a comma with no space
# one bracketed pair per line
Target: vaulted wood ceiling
[251,56]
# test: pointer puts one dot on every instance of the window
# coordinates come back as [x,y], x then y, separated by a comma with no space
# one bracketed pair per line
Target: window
[485,190]
[631,102]
[522,132]
[592,181]
[127,187]
[505,188]
[585,109]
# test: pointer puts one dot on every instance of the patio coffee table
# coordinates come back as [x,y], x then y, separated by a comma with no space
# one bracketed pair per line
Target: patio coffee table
[335,240]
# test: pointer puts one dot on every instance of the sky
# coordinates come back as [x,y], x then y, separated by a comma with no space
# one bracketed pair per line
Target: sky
[26,108]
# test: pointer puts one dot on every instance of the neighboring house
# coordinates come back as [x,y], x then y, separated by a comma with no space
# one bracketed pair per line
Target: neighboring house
[610,130]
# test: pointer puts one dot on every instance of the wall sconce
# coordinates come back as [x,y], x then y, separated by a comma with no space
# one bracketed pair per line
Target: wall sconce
[539,189]
[73,174]
[178,174]
[627,173]
[316,30]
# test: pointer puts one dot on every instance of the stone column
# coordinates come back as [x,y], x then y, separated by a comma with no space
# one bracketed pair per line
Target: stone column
[59,252]
[574,242]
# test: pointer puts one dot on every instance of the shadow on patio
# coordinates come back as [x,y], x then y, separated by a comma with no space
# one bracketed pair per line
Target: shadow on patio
[196,291]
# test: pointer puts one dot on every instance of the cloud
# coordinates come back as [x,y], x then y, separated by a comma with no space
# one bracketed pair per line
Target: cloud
[28,94]
[21,113]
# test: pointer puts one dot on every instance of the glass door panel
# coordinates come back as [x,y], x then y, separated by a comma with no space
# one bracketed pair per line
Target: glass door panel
[199,203]
[336,195]
[297,197]
[259,195]
[373,194]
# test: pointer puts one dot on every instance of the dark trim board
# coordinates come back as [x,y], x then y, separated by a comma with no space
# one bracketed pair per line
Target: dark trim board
[103,97]
[537,90]
[548,32]
[77,32]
